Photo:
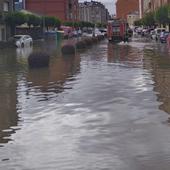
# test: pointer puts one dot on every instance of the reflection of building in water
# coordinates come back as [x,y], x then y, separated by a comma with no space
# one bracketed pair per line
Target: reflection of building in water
[8,88]
[124,54]
[160,69]
[53,78]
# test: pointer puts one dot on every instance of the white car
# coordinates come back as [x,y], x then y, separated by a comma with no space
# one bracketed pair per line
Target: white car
[22,40]
[155,34]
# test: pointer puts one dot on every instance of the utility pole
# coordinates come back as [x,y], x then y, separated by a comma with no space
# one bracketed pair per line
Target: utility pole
[140,8]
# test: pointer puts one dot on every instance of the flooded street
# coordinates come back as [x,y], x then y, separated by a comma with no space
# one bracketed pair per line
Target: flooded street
[107,108]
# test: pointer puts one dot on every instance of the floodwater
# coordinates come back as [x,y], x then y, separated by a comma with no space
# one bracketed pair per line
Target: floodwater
[106,108]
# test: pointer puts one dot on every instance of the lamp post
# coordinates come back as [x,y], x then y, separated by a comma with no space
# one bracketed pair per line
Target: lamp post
[43,17]
[169,17]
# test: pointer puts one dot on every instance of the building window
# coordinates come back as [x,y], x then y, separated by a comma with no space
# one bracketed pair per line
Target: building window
[6,6]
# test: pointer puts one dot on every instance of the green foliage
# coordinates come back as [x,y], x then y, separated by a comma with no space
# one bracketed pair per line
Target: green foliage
[33,20]
[138,22]
[52,21]
[149,19]
[69,23]
[78,24]
[162,15]
[99,25]
[15,18]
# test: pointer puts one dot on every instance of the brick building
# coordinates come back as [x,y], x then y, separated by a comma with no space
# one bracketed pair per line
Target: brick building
[66,10]
[124,7]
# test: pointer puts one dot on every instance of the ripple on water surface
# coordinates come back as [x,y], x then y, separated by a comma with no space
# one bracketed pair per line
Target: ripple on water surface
[102,109]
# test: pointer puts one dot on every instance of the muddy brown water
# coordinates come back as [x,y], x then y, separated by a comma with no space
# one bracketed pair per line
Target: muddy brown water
[107,108]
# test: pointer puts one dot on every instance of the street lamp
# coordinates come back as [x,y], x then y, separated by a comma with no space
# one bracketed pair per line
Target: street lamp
[43,17]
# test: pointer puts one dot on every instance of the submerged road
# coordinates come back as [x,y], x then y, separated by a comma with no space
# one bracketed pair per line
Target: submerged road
[107,108]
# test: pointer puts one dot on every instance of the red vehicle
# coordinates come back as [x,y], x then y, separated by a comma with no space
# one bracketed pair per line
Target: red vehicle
[117,30]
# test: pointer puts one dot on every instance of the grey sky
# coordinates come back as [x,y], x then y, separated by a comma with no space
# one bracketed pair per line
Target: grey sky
[110,4]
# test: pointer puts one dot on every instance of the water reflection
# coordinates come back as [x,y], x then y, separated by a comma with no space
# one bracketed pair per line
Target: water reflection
[49,45]
[94,111]
[19,83]
[52,80]
[124,54]
[24,52]
[8,96]
[160,69]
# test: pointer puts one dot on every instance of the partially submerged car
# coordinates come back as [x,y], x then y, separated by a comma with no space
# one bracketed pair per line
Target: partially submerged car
[21,41]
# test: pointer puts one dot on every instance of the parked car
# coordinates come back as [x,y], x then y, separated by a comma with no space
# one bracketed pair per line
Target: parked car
[158,32]
[164,36]
[153,35]
[68,31]
[22,40]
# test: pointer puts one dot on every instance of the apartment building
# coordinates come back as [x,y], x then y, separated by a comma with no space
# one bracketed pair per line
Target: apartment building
[132,17]
[157,3]
[5,7]
[94,12]
[152,5]
[124,7]
[19,5]
[66,10]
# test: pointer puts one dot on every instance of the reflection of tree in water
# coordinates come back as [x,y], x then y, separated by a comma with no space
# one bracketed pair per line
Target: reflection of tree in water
[52,80]
[8,94]
[159,65]
[51,46]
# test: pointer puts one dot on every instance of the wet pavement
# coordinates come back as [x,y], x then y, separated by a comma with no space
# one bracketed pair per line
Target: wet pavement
[107,108]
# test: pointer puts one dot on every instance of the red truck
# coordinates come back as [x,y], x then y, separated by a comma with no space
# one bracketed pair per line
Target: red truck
[117,30]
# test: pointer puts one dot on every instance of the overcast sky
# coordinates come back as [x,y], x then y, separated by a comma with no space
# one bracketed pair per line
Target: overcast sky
[110,4]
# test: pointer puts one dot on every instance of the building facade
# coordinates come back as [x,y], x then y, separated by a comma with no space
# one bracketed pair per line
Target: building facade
[132,17]
[152,5]
[5,7]
[94,12]
[124,7]
[19,5]
[66,10]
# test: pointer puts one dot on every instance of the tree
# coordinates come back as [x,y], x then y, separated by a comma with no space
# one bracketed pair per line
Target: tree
[162,15]
[149,19]
[52,22]
[138,22]
[15,18]
[68,23]
[33,20]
